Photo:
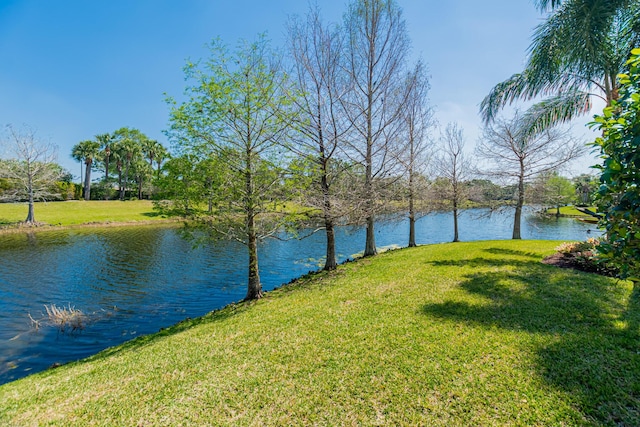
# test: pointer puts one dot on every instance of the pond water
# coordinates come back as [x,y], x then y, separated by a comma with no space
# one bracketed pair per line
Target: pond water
[135,280]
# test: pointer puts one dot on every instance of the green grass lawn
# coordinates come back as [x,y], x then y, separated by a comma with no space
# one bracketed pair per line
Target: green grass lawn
[80,212]
[571,211]
[467,334]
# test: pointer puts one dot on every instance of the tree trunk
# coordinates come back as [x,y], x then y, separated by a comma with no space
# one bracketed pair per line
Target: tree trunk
[254,287]
[87,180]
[120,187]
[412,230]
[370,246]
[126,180]
[518,216]
[370,242]
[330,263]
[31,218]
[412,213]
[106,168]
[455,222]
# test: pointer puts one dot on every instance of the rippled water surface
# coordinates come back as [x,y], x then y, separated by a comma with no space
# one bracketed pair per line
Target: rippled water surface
[136,280]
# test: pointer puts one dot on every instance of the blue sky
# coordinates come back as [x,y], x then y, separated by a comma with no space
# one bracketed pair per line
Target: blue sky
[76,68]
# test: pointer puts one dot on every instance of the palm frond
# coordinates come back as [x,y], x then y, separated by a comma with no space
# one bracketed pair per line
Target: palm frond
[518,86]
[555,110]
[544,5]
[574,39]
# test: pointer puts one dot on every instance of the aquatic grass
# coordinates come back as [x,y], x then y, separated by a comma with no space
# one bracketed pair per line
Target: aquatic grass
[475,333]
[62,318]
[81,212]
[65,317]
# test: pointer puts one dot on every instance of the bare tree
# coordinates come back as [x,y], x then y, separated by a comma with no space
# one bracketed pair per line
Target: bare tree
[317,51]
[31,168]
[515,155]
[418,117]
[377,48]
[452,165]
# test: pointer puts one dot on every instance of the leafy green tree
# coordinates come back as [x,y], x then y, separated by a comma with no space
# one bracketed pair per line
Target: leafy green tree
[182,184]
[618,197]
[575,56]
[553,190]
[586,186]
[239,109]
[127,150]
[105,139]
[86,152]
[31,169]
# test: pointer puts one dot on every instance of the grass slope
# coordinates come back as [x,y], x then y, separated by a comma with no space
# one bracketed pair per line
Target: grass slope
[571,211]
[454,334]
[80,212]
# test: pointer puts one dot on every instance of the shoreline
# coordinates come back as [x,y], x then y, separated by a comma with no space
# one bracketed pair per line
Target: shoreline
[21,228]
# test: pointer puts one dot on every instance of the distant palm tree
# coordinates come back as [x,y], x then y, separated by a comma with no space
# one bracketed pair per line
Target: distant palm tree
[105,140]
[149,148]
[575,56]
[161,154]
[86,151]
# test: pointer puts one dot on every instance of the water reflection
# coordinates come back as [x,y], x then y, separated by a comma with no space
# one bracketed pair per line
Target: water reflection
[133,281]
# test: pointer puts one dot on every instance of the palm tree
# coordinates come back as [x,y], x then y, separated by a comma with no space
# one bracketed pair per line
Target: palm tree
[575,56]
[128,143]
[161,155]
[118,155]
[149,148]
[105,139]
[86,151]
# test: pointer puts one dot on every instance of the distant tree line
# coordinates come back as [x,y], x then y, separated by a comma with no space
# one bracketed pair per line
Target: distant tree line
[128,160]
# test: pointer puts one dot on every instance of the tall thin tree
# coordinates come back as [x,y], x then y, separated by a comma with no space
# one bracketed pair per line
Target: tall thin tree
[454,166]
[86,152]
[317,51]
[418,117]
[376,52]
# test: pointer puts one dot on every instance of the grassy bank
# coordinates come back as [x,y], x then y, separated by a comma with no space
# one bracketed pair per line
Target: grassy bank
[571,211]
[453,334]
[80,212]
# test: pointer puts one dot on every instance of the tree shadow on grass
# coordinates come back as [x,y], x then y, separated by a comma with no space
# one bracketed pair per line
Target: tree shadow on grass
[154,214]
[593,326]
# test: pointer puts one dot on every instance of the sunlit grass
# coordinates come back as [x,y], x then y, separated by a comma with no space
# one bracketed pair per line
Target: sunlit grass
[453,334]
[81,212]
[571,211]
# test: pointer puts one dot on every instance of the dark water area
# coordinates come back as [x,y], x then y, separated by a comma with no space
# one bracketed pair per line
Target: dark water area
[133,281]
